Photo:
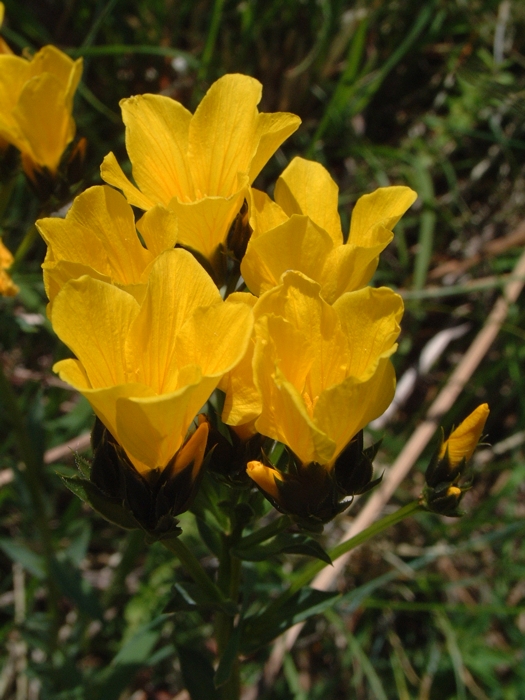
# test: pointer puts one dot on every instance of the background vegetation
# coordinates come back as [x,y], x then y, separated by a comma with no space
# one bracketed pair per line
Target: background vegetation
[430,94]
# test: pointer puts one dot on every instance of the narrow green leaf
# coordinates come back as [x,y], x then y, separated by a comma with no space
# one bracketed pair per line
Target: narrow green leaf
[283,543]
[31,561]
[109,508]
[228,659]
[197,673]
[264,627]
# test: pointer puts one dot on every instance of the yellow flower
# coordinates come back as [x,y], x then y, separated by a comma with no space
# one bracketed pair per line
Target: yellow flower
[99,238]
[4,48]
[148,368]
[301,231]
[463,440]
[321,372]
[199,165]
[7,287]
[36,101]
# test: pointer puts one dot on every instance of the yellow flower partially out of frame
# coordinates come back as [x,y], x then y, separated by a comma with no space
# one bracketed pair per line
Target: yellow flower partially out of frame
[7,287]
[320,372]
[4,48]
[199,165]
[301,231]
[148,368]
[99,238]
[36,102]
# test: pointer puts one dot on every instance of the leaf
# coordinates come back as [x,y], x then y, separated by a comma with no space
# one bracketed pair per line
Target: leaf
[31,561]
[190,597]
[197,673]
[268,624]
[210,537]
[136,652]
[283,543]
[76,589]
[109,508]
[229,658]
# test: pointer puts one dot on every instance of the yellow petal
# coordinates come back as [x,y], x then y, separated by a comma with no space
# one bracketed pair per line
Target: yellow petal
[242,403]
[370,322]
[305,187]
[112,173]
[99,231]
[265,477]
[350,267]
[93,318]
[385,206]
[45,120]
[152,429]
[203,225]
[193,451]
[14,73]
[157,141]
[57,274]
[344,409]
[284,416]
[223,135]
[298,244]
[215,338]
[158,228]
[177,286]
[272,130]
[7,287]
[265,214]
[464,439]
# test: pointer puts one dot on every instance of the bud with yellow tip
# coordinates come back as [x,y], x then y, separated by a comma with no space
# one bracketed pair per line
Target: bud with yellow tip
[443,492]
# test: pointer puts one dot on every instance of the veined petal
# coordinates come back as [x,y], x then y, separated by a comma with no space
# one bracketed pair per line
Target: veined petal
[44,120]
[384,206]
[112,173]
[297,244]
[370,322]
[92,318]
[177,286]
[152,429]
[242,403]
[344,409]
[157,141]
[99,231]
[223,135]
[57,274]
[215,338]
[350,267]
[265,214]
[294,193]
[159,228]
[204,224]
[51,60]
[284,415]
[272,130]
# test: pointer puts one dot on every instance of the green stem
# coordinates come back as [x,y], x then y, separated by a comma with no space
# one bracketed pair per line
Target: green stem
[211,39]
[32,476]
[228,580]
[303,577]
[25,246]
[194,569]
[270,530]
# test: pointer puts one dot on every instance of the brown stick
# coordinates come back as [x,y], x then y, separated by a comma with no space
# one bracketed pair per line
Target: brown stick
[408,456]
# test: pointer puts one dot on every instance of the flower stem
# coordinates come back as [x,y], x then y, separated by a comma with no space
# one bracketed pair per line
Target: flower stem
[305,575]
[194,568]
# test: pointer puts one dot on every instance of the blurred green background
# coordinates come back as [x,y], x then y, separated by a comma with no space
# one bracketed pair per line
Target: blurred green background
[429,94]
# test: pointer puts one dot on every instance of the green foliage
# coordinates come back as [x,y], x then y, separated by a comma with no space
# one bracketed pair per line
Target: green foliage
[389,93]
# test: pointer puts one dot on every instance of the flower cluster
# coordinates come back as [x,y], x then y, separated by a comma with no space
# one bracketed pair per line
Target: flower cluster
[36,103]
[301,349]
